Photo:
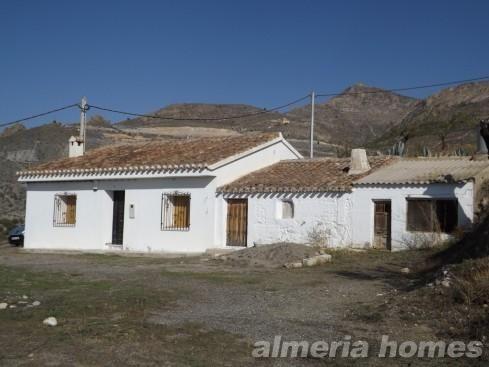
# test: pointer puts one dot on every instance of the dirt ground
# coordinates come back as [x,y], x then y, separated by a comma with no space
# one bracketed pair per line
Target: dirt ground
[207,311]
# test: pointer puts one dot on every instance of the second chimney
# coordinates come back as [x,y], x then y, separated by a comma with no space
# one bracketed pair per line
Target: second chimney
[359,162]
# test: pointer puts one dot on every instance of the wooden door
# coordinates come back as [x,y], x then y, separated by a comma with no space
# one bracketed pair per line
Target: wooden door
[237,222]
[382,224]
[118,218]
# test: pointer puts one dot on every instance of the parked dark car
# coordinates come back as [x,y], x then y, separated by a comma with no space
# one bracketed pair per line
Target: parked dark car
[16,236]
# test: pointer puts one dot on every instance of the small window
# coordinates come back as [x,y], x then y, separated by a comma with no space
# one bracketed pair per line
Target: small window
[175,214]
[287,209]
[64,211]
[427,215]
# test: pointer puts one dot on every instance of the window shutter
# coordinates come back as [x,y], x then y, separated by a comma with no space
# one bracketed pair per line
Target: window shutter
[175,212]
[70,210]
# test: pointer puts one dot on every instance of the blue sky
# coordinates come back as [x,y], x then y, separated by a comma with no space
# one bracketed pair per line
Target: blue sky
[142,55]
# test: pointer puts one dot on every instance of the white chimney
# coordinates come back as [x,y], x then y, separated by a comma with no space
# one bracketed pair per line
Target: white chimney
[359,162]
[75,147]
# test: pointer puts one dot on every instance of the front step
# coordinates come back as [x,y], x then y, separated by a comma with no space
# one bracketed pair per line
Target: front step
[113,247]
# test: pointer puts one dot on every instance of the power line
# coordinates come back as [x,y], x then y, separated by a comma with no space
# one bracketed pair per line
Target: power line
[265,111]
[406,88]
[38,115]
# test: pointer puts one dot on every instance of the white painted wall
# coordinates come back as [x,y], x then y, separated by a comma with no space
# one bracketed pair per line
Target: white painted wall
[363,209]
[325,212]
[347,217]
[93,229]
[93,217]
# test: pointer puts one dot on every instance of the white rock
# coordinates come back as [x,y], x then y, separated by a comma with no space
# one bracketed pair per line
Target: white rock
[50,321]
[293,265]
[24,296]
[445,283]
[405,270]
[12,306]
[36,303]
[3,306]
[317,260]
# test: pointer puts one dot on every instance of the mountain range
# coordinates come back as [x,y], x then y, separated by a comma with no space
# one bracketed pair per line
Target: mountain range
[361,116]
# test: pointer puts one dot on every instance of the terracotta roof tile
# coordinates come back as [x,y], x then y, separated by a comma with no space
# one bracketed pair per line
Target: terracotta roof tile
[309,175]
[201,152]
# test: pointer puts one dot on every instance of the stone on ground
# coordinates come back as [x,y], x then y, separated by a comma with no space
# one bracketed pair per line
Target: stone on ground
[50,321]
[3,306]
[36,303]
[405,270]
[316,260]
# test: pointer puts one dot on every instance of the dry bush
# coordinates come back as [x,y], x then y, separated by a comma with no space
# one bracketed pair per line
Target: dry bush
[471,283]
[319,236]
[422,241]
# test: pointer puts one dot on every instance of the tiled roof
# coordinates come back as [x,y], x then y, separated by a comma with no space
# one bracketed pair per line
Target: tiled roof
[427,170]
[302,175]
[190,153]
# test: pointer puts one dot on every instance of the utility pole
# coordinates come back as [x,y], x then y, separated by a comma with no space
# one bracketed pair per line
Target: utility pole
[83,122]
[313,97]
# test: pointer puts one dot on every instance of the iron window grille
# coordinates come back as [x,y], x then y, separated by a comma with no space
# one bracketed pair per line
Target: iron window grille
[64,210]
[175,212]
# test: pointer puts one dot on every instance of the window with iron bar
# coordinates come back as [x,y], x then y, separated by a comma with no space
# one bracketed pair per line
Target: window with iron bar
[432,215]
[175,212]
[64,210]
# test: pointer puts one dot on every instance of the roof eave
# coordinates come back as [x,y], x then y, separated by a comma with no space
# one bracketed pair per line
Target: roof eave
[413,182]
[114,173]
[282,190]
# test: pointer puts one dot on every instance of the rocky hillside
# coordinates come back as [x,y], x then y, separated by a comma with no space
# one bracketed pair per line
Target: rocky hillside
[443,122]
[186,112]
[355,117]
[360,114]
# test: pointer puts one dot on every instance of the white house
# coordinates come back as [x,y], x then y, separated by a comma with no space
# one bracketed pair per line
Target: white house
[197,194]
[158,196]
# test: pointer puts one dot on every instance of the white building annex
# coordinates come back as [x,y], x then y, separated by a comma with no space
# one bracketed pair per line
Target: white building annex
[392,203]
[197,194]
